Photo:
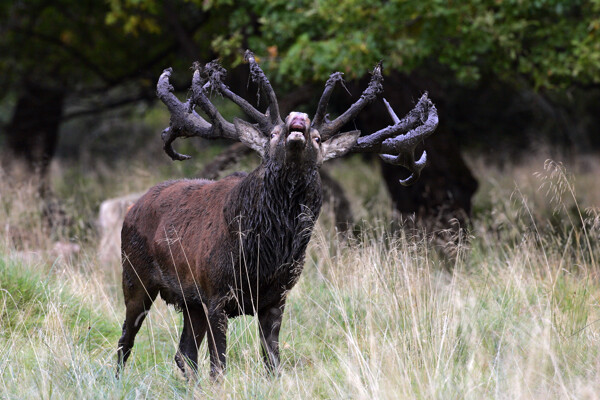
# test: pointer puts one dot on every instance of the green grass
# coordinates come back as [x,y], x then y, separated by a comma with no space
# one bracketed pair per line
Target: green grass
[373,317]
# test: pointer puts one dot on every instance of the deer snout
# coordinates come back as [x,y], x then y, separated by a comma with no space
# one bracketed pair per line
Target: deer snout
[296,137]
[298,124]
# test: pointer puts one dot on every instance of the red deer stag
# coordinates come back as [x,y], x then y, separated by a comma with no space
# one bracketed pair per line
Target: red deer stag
[219,249]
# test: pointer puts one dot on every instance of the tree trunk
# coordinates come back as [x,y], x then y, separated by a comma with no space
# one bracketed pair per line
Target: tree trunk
[32,134]
[440,201]
[30,143]
[441,198]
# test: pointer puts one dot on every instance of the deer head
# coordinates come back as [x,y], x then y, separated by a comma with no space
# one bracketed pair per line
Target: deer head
[297,139]
[294,141]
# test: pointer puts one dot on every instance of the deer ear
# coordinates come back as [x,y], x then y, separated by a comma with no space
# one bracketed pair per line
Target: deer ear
[339,145]
[250,136]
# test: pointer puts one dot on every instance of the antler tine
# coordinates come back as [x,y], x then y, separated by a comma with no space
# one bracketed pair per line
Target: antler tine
[183,122]
[369,95]
[261,79]
[396,144]
[391,111]
[216,81]
[220,126]
[320,115]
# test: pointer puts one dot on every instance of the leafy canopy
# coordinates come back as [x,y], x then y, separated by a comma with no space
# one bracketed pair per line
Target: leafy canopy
[542,43]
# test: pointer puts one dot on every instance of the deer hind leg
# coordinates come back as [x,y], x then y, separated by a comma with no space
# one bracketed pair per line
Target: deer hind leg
[217,342]
[138,301]
[194,330]
[270,324]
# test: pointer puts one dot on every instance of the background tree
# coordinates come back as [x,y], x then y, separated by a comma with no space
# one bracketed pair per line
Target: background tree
[62,60]
[503,72]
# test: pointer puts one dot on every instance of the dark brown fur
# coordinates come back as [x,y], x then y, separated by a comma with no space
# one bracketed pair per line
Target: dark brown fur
[221,249]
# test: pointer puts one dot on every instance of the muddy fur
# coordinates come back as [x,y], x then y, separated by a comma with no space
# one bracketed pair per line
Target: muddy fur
[219,249]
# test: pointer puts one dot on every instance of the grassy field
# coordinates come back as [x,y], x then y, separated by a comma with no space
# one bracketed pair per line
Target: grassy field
[517,316]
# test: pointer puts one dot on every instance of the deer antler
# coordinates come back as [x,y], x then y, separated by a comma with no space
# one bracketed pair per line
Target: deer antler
[331,128]
[395,144]
[265,121]
[185,122]
[259,77]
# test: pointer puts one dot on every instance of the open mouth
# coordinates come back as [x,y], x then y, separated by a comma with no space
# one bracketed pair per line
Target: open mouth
[297,128]
[298,125]
[296,136]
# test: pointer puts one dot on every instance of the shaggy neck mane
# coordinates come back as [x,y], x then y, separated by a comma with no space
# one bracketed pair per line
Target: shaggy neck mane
[278,209]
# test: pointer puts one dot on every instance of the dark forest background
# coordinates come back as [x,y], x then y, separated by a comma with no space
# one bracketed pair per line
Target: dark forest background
[508,77]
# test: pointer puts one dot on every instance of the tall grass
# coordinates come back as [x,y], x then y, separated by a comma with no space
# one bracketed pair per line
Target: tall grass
[371,317]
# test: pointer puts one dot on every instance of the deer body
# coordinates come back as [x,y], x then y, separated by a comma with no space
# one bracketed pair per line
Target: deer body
[219,249]
[237,243]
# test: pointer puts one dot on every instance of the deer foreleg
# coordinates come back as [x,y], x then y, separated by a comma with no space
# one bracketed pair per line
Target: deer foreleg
[270,323]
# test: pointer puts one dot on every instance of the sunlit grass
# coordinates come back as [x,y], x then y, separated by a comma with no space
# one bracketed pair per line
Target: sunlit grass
[371,317]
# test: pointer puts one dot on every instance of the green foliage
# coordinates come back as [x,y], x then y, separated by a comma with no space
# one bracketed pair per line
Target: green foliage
[543,43]
[538,43]
[19,290]
[68,44]
[548,43]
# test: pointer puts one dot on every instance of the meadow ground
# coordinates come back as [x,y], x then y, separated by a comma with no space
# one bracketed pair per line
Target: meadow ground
[516,315]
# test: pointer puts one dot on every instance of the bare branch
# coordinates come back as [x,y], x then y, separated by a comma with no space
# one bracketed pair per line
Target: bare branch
[231,155]
[105,105]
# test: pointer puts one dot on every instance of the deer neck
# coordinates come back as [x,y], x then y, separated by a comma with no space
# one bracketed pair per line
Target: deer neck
[276,212]
[276,197]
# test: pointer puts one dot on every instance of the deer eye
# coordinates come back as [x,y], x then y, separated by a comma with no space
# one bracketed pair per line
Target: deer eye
[318,139]
[273,135]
